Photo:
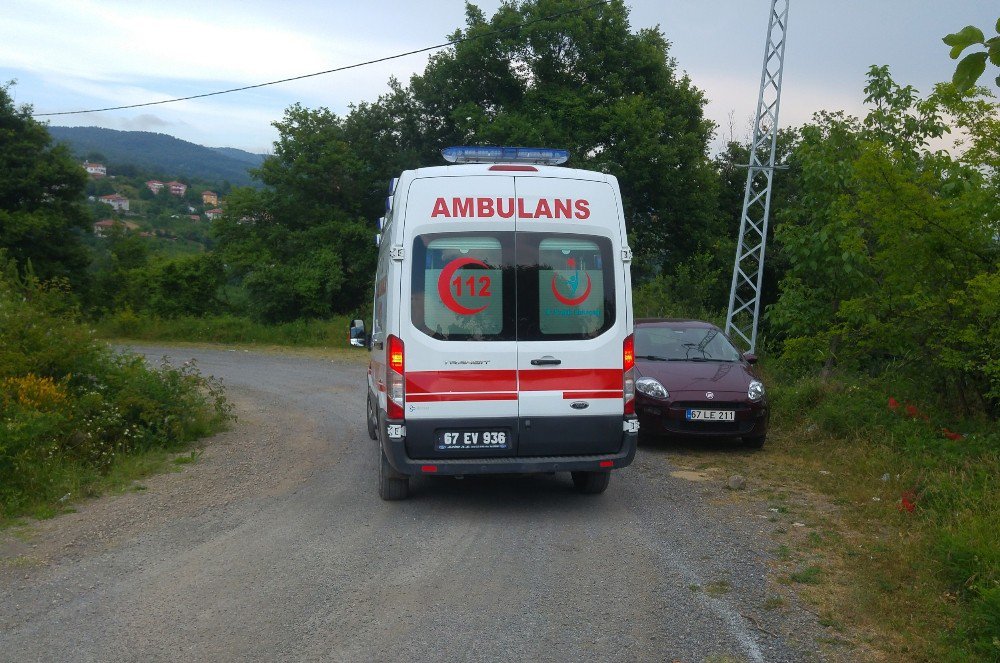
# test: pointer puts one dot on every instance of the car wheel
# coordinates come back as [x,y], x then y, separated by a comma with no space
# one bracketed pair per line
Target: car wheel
[372,418]
[391,484]
[591,483]
[754,442]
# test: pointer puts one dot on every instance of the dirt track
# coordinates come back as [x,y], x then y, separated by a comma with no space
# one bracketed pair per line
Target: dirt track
[275,546]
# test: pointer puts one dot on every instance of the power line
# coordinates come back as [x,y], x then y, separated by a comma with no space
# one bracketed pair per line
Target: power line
[338,69]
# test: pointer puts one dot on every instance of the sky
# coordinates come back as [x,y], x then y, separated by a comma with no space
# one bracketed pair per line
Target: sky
[69,55]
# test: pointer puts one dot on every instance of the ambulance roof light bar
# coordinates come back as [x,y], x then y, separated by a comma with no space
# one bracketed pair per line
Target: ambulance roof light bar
[476,154]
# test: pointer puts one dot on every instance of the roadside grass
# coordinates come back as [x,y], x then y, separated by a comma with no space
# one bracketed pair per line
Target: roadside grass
[887,528]
[330,333]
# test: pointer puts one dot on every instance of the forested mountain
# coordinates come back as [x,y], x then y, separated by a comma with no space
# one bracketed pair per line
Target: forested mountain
[241,155]
[158,153]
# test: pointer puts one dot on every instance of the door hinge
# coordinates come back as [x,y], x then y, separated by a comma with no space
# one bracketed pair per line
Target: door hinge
[626,254]
[397,252]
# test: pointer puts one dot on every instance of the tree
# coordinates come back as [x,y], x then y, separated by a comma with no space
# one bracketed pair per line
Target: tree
[891,247]
[582,81]
[972,66]
[299,245]
[42,211]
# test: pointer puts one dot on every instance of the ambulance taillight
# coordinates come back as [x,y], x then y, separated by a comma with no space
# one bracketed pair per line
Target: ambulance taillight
[395,378]
[628,374]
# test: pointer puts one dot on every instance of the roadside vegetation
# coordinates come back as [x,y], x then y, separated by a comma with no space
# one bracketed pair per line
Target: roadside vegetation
[327,333]
[908,550]
[77,417]
[880,335]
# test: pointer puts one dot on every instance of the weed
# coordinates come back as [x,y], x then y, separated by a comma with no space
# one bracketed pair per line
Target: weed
[811,575]
[718,588]
[188,458]
[773,603]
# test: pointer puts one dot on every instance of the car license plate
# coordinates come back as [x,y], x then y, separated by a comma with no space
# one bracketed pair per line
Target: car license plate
[711,415]
[473,439]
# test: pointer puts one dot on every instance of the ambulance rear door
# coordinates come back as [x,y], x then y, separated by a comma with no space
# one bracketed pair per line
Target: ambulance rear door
[572,317]
[457,316]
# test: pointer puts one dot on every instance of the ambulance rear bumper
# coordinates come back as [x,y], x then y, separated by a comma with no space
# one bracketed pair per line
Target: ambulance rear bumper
[401,461]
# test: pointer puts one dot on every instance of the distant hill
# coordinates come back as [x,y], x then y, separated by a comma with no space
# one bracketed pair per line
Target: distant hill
[240,155]
[160,154]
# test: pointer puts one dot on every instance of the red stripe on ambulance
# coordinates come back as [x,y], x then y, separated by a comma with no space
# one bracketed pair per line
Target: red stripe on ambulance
[433,382]
[601,382]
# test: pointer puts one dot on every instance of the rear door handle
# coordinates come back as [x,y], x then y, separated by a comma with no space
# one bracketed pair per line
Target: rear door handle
[546,362]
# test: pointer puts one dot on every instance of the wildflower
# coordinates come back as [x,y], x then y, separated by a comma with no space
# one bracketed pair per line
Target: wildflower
[907,501]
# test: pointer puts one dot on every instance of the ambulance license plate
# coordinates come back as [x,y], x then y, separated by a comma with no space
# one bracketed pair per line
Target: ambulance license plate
[711,415]
[473,439]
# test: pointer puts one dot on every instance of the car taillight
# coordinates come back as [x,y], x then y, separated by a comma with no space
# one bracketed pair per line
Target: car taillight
[395,389]
[628,374]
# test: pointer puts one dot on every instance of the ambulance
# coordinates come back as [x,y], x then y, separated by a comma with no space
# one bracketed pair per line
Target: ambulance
[501,339]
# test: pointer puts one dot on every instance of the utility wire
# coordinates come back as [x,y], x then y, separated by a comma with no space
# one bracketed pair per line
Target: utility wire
[338,69]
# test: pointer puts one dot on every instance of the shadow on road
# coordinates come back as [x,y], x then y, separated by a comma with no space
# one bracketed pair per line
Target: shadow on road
[537,493]
[692,444]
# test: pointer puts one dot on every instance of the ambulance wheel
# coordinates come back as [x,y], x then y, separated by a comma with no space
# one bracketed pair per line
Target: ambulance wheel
[391,484]
[372,418]
[591,483]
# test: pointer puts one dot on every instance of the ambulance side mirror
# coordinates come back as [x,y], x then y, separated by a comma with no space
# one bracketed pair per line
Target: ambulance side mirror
[356,336]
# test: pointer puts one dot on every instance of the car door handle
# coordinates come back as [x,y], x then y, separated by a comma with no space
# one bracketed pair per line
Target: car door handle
[546,362]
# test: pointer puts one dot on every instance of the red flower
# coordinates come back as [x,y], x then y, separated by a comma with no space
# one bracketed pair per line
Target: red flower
[893,404]
[951,435]
[908,501]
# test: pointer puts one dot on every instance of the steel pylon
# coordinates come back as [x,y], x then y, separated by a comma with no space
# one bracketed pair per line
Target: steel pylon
[748,270]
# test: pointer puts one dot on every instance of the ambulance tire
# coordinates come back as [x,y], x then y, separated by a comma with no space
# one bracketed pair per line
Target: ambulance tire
[372,418]
[391,485]
[591,483]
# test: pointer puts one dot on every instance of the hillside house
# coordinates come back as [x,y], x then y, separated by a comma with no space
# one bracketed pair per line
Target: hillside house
[177,188]
[213,214]
[119,203]
[103,227]
[210,198]
[154,185]
[95,170]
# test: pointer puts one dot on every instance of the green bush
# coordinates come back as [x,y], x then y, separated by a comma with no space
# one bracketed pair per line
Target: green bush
[70,407]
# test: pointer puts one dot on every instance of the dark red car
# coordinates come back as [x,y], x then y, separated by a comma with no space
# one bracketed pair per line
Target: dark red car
[690,380]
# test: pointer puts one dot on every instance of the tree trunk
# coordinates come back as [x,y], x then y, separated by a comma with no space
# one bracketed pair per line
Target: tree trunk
[831,358]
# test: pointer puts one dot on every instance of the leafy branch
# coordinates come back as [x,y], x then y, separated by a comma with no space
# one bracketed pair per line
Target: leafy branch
[972,66]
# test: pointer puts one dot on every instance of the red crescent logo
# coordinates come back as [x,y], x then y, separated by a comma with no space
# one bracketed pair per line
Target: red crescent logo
[444,285]
[566,300]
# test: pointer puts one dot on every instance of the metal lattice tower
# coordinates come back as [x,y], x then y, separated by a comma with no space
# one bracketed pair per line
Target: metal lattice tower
[748,271]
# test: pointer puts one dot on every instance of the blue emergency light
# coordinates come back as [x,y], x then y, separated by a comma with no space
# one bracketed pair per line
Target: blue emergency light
[477,154]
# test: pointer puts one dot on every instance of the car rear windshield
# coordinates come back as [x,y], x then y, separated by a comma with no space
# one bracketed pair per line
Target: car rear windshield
[683,343]
[493,287]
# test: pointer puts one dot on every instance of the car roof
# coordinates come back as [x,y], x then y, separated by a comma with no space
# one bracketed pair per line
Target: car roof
[674,322]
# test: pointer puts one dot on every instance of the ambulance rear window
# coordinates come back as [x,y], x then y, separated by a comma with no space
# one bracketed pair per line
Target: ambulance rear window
[502,286]
[463,286]
[567,289]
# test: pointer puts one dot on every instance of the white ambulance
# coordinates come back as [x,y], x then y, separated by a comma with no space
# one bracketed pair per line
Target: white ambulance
[502,331]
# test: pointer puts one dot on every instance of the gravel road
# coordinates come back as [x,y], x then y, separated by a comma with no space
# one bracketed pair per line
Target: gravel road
[274,545]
